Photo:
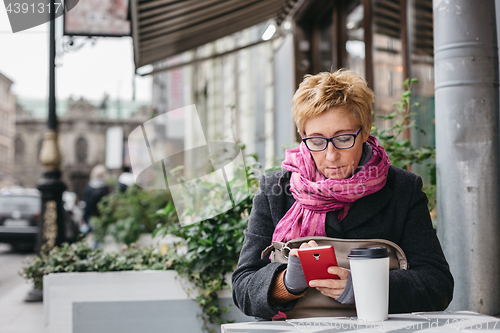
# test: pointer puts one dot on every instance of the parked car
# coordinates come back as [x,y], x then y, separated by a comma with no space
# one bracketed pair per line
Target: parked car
[19,216]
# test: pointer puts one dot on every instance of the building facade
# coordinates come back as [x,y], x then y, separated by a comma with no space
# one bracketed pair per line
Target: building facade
[82,142]
[7,119]
[233,95]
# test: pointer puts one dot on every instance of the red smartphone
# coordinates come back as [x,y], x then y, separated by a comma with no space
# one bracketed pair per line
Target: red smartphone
[315,262]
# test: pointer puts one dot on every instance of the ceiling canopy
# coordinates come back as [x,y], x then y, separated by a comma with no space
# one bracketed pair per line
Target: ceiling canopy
[163,28]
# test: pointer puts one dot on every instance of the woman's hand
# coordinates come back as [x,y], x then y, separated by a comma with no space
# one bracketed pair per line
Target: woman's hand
[332,287]
[295,252]
[328,287]
[295,282]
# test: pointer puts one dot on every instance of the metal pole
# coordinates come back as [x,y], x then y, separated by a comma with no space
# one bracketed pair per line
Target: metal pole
[52,227]
[52,119]
[467,143]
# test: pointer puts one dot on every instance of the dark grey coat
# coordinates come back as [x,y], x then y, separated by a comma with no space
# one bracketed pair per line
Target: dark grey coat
[398,212]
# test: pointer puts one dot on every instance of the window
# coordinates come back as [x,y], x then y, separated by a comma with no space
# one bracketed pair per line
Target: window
[355,45]
[387,57]
[4,122]
[324,43]
[18,151]
[3,92]
[81,149]
[4,154]
[39,149]
[422,67]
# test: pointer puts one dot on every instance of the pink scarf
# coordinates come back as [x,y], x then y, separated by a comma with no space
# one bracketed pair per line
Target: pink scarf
[315,195]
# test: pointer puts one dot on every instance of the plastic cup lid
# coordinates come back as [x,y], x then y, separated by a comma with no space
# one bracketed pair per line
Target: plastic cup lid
[369,253]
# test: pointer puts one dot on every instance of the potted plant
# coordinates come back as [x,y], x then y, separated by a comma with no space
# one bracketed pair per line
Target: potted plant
[191,278]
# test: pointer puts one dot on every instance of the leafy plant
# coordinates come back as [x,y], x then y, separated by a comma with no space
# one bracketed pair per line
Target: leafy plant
[79,257]
[213,245]
[126,215]
[399,149]
[212,251]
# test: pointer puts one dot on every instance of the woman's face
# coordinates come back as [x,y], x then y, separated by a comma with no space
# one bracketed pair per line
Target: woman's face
[335,163]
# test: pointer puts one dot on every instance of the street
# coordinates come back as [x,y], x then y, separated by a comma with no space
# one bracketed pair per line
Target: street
[16,316]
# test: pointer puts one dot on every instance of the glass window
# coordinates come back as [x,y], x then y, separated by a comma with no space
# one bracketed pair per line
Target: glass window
[387,57]
[18,151]
[3,121]
[4,156]
[81,150]
[355,45]
[422,67]
[27,204]
[325,44]
[39,149]
[3,92]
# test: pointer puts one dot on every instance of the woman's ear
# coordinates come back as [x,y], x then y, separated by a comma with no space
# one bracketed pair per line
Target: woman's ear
[365,137]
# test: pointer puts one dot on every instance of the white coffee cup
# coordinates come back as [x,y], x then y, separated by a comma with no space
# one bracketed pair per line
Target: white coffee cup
[370,279]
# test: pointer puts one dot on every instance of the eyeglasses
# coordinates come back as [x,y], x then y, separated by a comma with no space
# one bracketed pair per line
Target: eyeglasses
[341,141]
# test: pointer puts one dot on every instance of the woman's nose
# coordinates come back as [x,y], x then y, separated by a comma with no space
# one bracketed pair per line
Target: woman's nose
[332,153]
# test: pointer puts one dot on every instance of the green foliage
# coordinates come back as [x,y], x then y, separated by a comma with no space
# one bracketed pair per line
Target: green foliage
[126,215]
[213,244]
[399,149]
[213,248]
[209,249]
[79,257]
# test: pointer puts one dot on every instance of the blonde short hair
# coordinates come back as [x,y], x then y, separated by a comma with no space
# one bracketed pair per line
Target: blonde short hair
[343,89]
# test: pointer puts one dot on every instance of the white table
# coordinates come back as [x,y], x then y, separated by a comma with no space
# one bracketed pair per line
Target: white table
[442,322]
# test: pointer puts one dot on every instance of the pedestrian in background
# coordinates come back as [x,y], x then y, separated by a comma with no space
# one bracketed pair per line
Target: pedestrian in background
[125,180]
[93,193]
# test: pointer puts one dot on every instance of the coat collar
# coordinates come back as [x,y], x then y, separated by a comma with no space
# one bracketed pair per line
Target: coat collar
[366,208]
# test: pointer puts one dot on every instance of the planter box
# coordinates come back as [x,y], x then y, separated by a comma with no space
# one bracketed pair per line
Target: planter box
[125,302]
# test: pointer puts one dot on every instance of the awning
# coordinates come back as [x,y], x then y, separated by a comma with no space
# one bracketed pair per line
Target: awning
[163,28]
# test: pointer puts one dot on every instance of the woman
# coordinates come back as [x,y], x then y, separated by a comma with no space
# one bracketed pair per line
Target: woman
[96,189]
[338,183]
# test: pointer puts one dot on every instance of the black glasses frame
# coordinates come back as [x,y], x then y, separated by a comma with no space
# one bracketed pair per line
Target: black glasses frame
[355,135]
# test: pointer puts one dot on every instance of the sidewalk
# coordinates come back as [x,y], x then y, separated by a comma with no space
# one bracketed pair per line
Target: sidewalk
[16,316]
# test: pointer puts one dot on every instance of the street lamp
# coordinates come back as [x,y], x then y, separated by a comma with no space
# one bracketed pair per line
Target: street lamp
[51,226]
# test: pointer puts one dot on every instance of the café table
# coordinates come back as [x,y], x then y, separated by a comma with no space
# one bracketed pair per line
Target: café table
[442,322]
